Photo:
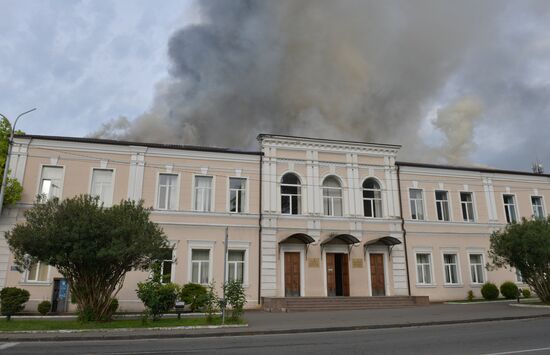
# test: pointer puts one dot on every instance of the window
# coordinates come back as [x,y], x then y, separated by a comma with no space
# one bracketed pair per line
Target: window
[476,268]
[332,196]
[450,264]
[538,209]
[102,185]
[519,277]
[166,266]
[442,205]
[467,204]
[235,265]
[424,268]
[51,182]
[417,204]
[167,192]
[200,266]
[203,193]
[291,196]
[372,198]
[510,208]
[237,193]
[38,272]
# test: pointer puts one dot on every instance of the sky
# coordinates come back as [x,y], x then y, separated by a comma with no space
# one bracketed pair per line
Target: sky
[454,82]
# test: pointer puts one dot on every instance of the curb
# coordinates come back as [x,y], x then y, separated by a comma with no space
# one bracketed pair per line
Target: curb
[108,336]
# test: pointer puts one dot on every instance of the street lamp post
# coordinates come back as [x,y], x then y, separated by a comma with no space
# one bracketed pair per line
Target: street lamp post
[6,166]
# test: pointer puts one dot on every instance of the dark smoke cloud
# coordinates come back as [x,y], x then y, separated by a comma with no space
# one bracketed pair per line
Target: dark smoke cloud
[357,70]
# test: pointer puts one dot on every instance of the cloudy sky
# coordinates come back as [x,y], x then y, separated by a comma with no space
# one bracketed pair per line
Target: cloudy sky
[454,82]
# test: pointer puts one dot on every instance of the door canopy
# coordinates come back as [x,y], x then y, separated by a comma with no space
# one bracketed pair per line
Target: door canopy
[346,238]
[301,237]
[388,241]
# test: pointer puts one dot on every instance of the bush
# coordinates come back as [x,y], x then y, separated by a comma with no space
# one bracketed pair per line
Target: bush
[12,300]
[44,307]
[489,291]
[235,297]
[158,298]
[113,306]
[194,295]
[470,296]
[526,292]
[509,290]
[212,303]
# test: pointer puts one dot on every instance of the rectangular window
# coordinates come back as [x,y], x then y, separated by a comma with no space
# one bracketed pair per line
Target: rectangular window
[167,192]
[442,206]
[166,266]
[235,265]
[510,208]
[200,266]
[476,268]
[538,208]
[237,195]
[51,182]
[519,277]
[450,264]
[203,193]
[38,272]
[467,204]
[417,204]
[424,268]
[102,186]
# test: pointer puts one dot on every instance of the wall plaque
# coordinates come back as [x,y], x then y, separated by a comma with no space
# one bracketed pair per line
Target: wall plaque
[357,263]
[313,262]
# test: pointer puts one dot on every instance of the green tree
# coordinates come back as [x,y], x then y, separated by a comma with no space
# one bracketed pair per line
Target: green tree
[14,189]
[526,247]
[158,298]
[91,246]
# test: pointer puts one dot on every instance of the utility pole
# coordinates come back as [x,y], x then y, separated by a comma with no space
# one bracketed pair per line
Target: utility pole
[224,303]
[6,166]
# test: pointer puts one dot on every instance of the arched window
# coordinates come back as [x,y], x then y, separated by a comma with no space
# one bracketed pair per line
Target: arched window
[372,198]
[332,196]
[291,194]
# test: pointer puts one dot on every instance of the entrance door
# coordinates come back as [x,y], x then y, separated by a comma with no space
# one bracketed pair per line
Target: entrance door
[59,295]
[337,274]
[377,282]
[292,274]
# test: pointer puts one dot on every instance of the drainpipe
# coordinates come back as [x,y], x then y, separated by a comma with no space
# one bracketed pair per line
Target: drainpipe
[260,229]
[403,230]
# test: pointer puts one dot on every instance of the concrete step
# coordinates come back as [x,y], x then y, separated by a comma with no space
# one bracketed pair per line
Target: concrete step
[288,304]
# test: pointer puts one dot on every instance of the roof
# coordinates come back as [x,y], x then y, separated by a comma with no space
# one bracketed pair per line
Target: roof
[337,141]
[346,238]
[468,168]
[141,144]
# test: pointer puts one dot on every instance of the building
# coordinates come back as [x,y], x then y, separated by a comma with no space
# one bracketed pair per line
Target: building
[305,217]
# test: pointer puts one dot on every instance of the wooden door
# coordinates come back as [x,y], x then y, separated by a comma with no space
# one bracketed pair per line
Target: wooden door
[292,274]
[377,282]
[331,275]
[345,275]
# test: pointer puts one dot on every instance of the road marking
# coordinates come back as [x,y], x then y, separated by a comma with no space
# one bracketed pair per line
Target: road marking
[7,346]
[520,351]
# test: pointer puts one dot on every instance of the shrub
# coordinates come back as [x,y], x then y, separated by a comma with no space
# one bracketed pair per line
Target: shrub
[509,290]
[235,297]
[489,291]
[44,307]
[158,298]
[12,300]
[470,296]
[211,304]
[526,292]
[194,295]
[113,306]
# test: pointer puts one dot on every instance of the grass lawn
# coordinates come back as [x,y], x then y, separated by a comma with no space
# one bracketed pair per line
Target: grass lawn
[52,324]
[480,300]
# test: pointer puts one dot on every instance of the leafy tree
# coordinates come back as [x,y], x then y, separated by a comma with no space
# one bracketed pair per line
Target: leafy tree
[235,297]
[157,297]
[91,246]
[526,247]
[14,189]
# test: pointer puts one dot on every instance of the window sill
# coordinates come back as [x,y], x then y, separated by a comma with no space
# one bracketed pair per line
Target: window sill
[454,285]
[426,285]
[476,285]
[35,283]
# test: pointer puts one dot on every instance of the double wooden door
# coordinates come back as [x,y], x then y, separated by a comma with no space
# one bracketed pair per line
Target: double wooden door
[337,274]
[377,279]
[292,274]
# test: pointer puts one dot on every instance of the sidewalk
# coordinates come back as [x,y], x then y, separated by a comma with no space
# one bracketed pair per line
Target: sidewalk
[299,322]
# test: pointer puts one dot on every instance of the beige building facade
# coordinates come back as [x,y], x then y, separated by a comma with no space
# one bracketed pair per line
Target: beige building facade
[305,217]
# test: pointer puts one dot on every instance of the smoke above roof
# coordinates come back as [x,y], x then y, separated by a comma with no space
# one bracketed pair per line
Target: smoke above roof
[347,69]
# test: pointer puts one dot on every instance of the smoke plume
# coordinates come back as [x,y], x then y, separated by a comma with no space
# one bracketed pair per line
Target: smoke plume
[347,69]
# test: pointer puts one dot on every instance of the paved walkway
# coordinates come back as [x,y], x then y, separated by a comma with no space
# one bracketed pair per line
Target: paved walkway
[269,323]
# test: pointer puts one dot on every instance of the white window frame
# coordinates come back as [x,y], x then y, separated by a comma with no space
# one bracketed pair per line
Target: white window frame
[47,281]
[542,205]
[333,198]
[200,245]
[519,277]
[448,202]
[113,172]
[458,273]
[431,264]
[246,194]
[483,271]
[516,207]
[372,200]
[39,182]
[425,216]
[172,266]
[473,218]
[212,193]
[177,193]
[244,247]
[299,196]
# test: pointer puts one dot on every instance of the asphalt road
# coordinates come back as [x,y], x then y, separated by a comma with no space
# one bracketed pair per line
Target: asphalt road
[509,337]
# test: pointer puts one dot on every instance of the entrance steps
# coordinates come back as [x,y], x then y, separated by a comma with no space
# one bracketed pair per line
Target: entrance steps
[301,304]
